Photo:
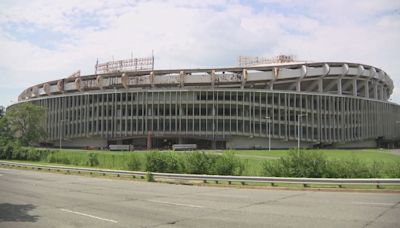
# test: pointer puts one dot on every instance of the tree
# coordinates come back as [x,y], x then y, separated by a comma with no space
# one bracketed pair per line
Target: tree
[25,121]
[5,132]
[2,111]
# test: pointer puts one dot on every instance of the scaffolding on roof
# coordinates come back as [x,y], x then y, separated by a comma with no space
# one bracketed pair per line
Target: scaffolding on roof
[125,65]
[253,61]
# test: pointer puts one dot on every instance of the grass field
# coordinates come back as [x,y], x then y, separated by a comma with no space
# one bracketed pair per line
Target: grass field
[252,159]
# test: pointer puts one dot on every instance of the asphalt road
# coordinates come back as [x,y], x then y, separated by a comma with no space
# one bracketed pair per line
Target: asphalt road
[40,199]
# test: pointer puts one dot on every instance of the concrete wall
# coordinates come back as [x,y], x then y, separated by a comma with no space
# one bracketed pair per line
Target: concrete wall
[239,142]
[84,142]
[357,144]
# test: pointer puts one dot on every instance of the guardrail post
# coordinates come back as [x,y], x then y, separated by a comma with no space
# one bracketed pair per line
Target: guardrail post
[273,184]
[216,181]
[205,181]
[229,182]
[243,183]
[306,185]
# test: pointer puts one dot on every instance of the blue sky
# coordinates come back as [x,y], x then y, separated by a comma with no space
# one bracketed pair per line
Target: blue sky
[42,40]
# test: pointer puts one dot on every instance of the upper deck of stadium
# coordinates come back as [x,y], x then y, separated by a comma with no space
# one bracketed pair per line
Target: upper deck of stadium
[282,73]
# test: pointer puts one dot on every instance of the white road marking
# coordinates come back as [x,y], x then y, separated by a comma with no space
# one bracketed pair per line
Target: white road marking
[87,215]
[176,204]
[226,196]
[368,203]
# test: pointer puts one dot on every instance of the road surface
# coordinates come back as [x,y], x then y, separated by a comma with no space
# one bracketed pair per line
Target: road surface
[40,199]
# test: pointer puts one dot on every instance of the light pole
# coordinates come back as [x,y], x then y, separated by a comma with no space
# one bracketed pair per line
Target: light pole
[298,130]
[269,132]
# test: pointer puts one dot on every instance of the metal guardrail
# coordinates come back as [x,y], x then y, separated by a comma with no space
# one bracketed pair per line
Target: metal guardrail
[243,179]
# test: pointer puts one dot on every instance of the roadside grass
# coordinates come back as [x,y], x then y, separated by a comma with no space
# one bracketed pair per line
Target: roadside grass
[251,159]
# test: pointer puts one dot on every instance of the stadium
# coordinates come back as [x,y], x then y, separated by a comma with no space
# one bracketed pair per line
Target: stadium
[261,103]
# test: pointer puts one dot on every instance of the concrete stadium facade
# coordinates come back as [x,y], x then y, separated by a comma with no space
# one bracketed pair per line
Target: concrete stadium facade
[333,104]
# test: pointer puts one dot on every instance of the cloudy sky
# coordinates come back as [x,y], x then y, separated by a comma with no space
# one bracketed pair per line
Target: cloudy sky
[43,40]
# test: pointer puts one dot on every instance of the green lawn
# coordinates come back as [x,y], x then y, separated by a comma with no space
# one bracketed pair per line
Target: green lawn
[254,158]
[367,155]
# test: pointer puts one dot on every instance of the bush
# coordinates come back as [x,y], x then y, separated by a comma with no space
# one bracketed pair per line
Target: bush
[56,157]
[199,162]
[133,162]
[297,164]
[349,168]
[273,169]
[92,160]
[393,170]
[313,164]
[227,164]
[163,162]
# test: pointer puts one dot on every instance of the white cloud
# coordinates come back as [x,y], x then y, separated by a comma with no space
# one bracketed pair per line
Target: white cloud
[193,34]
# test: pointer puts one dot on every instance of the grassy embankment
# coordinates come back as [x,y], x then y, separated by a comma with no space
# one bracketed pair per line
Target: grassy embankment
[252,159]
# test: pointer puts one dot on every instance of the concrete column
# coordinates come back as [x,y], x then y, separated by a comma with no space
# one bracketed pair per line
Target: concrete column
[366,88]
[354,85]
[148,140]
[339,86]
[321,85]
[181,79]
[244,78]
[212,78]
[298,86]
[376,90]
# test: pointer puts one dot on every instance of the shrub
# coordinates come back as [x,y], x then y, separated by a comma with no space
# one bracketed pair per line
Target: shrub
[227,164]
[92,160]
[273,169]
[393,169]
[349,168]
[51,158]
[19,153]
[33,154]
[133,162]
[199,162]
[376,170]
[313,164]
[297,164]
[163,162]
